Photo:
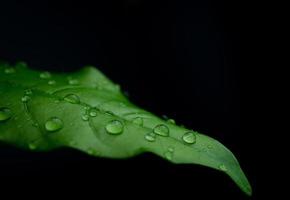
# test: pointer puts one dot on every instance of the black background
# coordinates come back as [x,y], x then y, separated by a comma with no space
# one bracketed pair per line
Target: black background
[183,59]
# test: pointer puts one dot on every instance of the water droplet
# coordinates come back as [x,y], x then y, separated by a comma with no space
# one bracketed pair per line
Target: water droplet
[28,92]
[35,124]
[126,93]
[72,98]
[5,114]
[171,149]
[209,146]
[25,98]
[189,137]
[53,124]
[32,146]
[168,155]
[21,64]
[87,107]
[93,112]
[91,151]
[162,130]
[109,113]
[138,121]
[73,143]
[85,117]
[51,82]
[165,117]
[9,70]
[171,121]
[150,137]
[115,127]
[223,167]
[118,87]
[73,82]
[45,75]
[122,105]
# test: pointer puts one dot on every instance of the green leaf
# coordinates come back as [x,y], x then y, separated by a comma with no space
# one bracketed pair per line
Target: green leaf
[41,111]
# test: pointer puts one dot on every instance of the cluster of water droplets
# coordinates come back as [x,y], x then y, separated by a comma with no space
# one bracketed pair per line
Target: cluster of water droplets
[113,127]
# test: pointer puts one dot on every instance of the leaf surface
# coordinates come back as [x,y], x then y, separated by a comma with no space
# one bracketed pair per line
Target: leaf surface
[41,111]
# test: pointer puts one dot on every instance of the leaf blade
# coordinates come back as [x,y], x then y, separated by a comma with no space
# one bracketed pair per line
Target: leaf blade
[45,98]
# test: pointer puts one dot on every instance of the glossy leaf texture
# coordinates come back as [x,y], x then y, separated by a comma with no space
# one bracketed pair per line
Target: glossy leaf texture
[41,111]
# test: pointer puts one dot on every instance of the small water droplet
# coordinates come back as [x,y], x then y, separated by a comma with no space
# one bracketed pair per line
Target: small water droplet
[53,124]
[72,143]
[73,82]
[223,167]
[85,117]
[45,75]
[28,92]
[161,130]
[165,117]
[138,121]
[93,112]
[209,146]
[171,121]
[32,146]
[126,93]
[72,98]
[25,98]
[118,87]
[122,105]
[87,107]
[5,114]
[51,82]
[21,64]
[91,151]
[35,124]
[171,149]
[189,137]
[150,137]
[115,127]
[9,70]
[168,155]
[109,113]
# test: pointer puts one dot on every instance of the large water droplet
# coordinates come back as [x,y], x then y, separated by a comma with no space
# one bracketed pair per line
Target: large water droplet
[162,130]
[189,137]
[45,75]
[93,112]
[72,98]
[85,117]
[9,70]
[223,167]
[138,121]
[25,98]
[53,124]
[150,137]
[5,114]
[51,82]
[115,127]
